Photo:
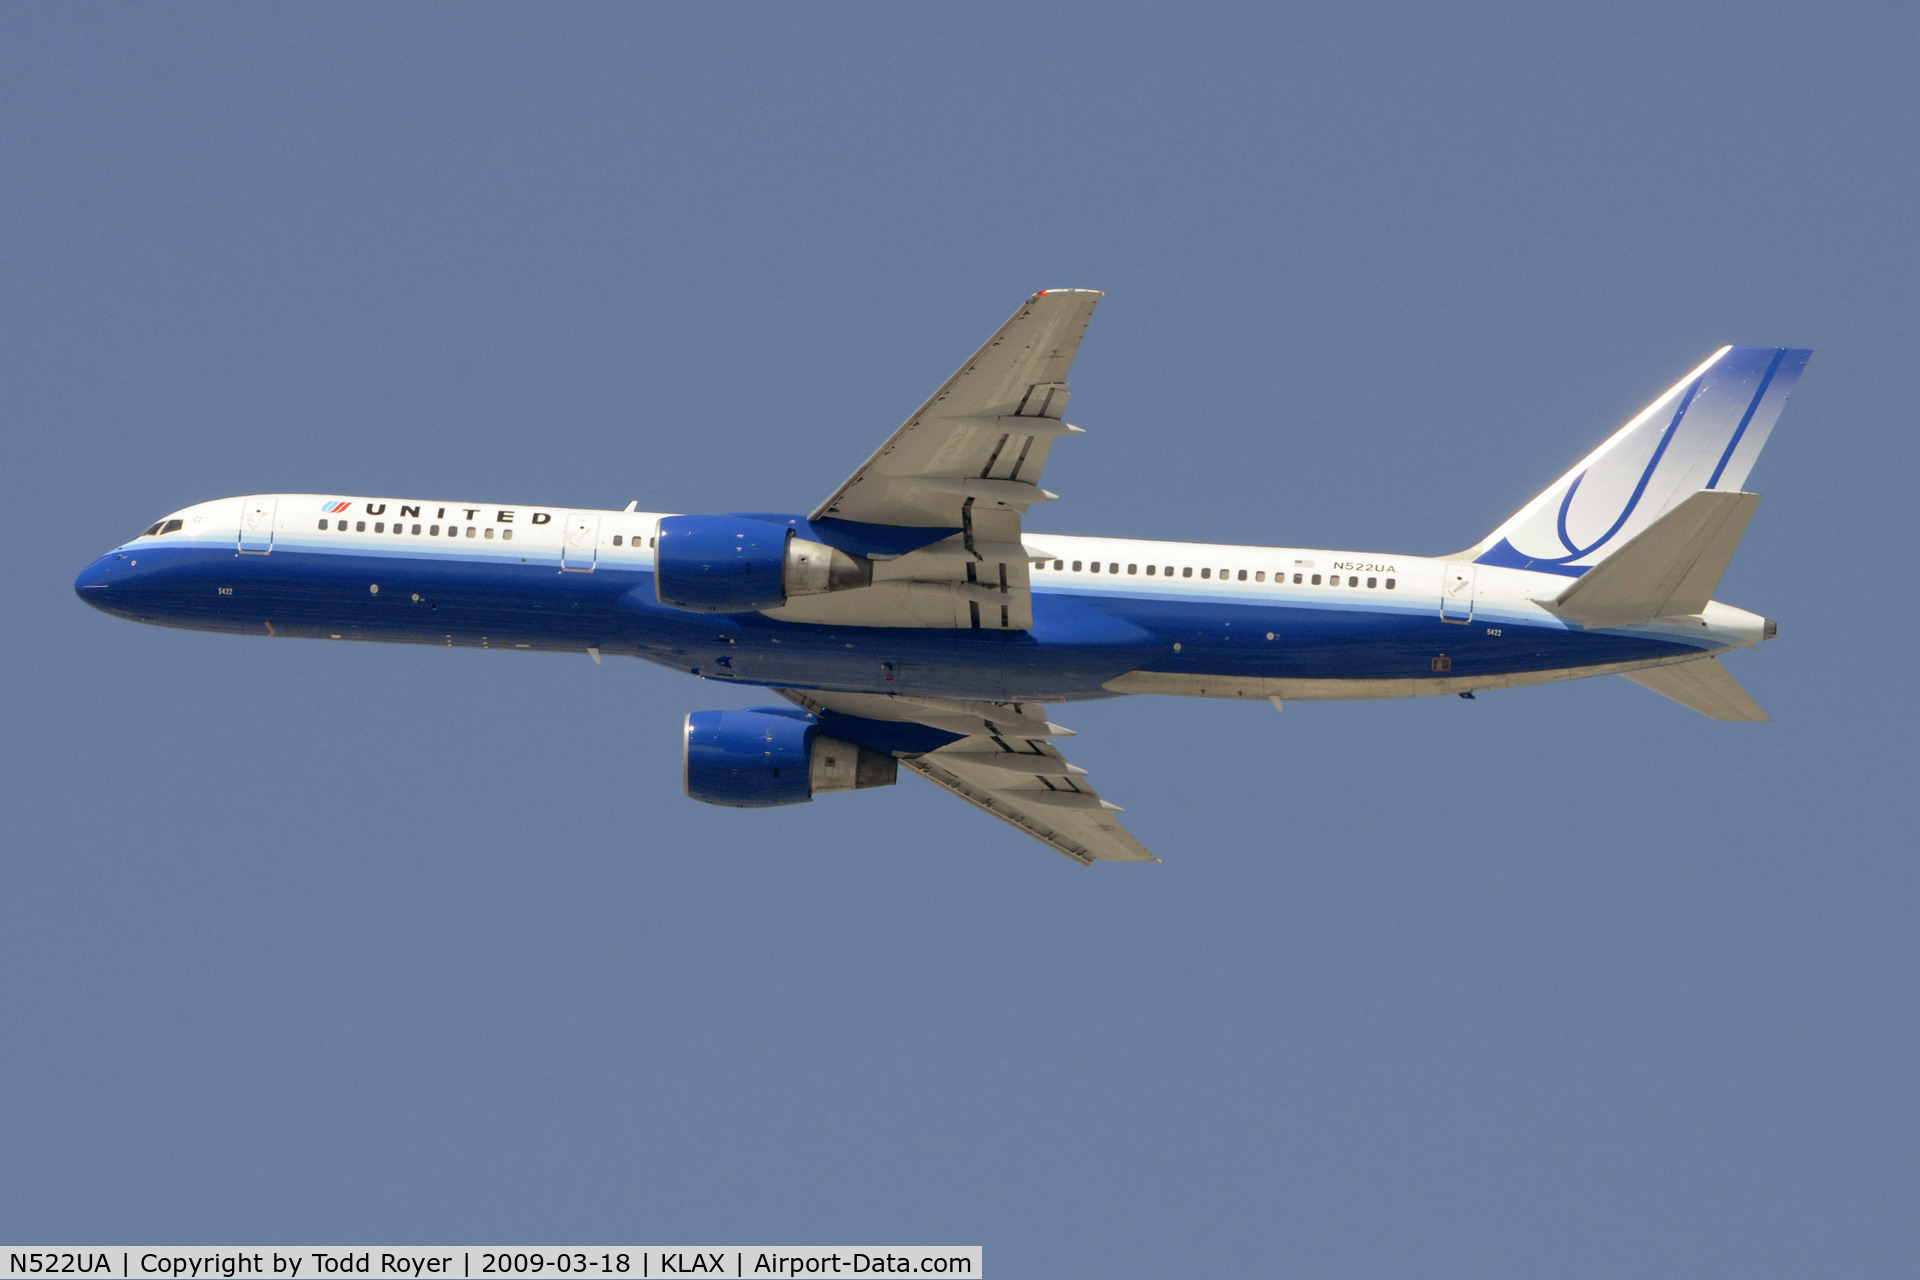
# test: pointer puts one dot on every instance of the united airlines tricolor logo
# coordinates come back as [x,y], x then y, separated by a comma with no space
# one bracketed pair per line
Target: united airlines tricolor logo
[331,507]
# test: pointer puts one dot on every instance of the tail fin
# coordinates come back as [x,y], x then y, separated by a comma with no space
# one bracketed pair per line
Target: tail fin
[1705,433]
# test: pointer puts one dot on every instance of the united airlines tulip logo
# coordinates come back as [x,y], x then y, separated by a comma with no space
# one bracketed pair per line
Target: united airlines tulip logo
[331,507]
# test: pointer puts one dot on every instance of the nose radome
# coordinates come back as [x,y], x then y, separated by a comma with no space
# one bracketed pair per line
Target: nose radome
[95,583]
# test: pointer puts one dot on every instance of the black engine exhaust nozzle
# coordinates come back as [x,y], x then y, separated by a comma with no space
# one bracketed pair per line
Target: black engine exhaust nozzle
[814,568]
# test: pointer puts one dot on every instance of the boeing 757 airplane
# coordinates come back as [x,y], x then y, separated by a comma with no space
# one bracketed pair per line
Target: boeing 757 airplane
[911,619]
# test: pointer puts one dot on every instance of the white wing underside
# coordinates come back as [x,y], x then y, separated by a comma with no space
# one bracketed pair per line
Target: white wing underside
[970,459]
[1005,764]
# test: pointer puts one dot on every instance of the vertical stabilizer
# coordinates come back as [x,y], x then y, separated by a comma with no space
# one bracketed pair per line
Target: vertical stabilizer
[1704,434]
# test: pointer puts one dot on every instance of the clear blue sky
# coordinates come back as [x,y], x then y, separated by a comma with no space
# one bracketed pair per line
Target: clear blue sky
[334,943]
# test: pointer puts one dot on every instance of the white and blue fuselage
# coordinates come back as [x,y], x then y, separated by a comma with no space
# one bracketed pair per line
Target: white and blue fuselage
[912,620]
[1110,615]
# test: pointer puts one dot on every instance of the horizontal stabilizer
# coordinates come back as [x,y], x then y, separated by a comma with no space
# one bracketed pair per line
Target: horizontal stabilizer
[1704,685]
[1669,568]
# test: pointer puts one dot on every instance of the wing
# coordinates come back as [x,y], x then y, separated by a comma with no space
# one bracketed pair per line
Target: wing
[982,439]
[1002,762]
[969,459]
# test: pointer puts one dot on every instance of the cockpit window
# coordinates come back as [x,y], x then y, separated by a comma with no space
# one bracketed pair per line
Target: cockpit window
[153,528]
[172,526]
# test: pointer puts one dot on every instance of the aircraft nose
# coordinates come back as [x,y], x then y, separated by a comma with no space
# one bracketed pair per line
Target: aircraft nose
[96,581]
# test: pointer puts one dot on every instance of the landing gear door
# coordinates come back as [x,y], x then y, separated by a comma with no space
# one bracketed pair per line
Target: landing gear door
[256,526]
[580,541]
[1456,593]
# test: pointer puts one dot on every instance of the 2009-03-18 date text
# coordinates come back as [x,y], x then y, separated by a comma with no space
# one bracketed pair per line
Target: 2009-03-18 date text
[534,1263]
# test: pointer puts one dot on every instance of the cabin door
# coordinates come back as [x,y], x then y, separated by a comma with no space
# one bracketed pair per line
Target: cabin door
[580,541]
[1456,594]
[256,526]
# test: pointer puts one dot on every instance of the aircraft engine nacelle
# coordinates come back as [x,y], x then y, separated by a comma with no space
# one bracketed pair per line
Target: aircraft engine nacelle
[769,756]
[726,564]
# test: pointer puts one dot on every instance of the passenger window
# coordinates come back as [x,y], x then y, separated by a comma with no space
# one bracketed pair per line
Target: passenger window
[1353,582]
[1076,566]
[1186,571]
[616,539]
[506,535]
[1151,568]
[416,531]
[1372,583]
[379,526]
[359,526]
[469,531]
[1058,565]
[489,531]
[434,531]
[1113,568]
[323,527]
[1389,584]
[1260,575]
[1243,575]
[1133,568]
[1167,572]
[1316,579]
[1096,566]
[1206,573]
[1296,579]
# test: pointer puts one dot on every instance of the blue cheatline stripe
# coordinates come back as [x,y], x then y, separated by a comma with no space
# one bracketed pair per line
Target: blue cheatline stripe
[1779,354]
